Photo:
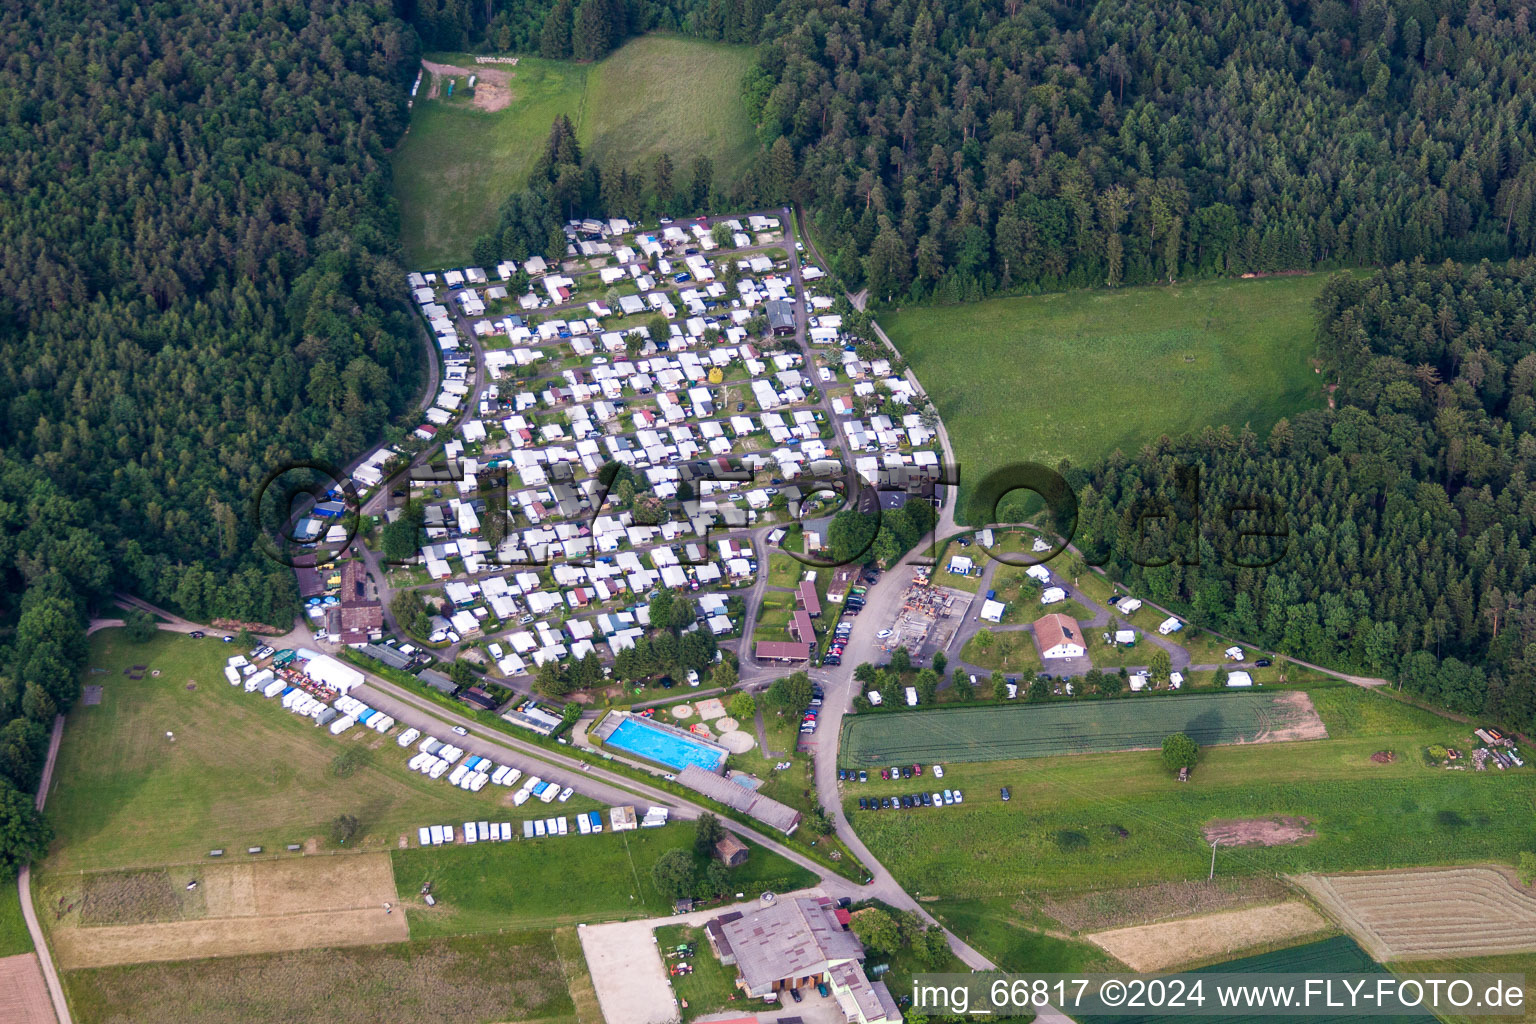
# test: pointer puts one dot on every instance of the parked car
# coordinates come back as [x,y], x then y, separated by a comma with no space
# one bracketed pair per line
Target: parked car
[949,797]
[906,773]
[927,799]
[863,804]
[885,634]
[917,769]
[938,771]
[885,773]
[794,994]
[1263,663]
[460,730]
[197,634]
[958,798]
[863,776]
[1006,795]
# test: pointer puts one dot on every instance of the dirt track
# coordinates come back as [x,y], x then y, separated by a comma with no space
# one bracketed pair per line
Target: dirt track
[23,995]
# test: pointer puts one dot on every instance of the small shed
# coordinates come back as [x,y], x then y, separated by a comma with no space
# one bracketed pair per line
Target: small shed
[731,851]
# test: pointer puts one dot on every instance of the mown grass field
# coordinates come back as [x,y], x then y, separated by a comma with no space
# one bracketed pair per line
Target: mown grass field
[606,877]
[240,771]
[14,937]
[656,94]
[1076,375]
[469,980]
[1101,821]
[992,733]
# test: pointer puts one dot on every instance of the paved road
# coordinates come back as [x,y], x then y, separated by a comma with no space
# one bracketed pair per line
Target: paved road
[24,882]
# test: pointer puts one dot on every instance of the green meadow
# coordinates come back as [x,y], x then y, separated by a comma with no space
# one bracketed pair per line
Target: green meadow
[1076,375]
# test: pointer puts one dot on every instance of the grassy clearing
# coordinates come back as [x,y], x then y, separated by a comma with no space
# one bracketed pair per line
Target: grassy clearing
[656,94]
[512,976]
[1111,820]
[14,937]
[994,733]
[666,94]
[489,886]
[240,772]
[1126,366]
[712,986]
[1012,651]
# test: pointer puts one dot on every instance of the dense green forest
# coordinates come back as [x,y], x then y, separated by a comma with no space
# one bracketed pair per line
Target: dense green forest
[1408,510]
[952,148]
[197,284]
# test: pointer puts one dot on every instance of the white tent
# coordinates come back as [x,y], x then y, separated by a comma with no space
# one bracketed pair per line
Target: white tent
[1239,679]
[992,611]
[330,672]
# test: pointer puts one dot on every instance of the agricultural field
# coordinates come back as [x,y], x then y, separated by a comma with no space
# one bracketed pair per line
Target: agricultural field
[1517,963]
[233,908]
[656,94]
[1430,913]
[605,877]
[24,995]
[237,771]
[1335,955]
[14,937]
[1109,821]
[469,980]
[1074,727]
[1128,365]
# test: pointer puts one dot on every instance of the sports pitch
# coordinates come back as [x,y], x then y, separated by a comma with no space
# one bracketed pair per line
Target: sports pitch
[996,733]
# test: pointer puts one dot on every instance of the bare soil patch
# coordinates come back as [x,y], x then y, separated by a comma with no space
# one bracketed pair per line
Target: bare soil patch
[1280,831]
[1384,757]
[1144,904]
[493,88]
[1155,947]
[1430,913]
[1291,717]
[23,993]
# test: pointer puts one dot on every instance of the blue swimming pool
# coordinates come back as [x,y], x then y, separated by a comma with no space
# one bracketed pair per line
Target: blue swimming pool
[664,746]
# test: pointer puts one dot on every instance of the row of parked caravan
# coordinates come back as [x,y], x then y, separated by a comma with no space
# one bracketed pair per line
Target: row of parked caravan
[355,712]
[545,792]
[587,823]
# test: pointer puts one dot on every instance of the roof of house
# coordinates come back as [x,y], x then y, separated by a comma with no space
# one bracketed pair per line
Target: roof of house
[789,939]
[808,597]
[787,649]
[751,803]
[729,846]
[802,626]
[1056,628]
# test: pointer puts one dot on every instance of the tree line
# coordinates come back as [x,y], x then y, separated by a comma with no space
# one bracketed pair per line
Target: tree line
[1389,534]
[949,149]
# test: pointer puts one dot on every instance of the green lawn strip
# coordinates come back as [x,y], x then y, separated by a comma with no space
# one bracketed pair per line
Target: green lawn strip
[564,880]
[1008,937]
[1129,365]
[711,986]
[14,937]
[237,770]
[464,980]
